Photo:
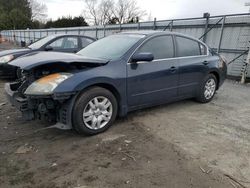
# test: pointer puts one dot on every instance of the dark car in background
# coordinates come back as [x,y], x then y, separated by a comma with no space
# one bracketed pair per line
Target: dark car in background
[113,76]
[60,43]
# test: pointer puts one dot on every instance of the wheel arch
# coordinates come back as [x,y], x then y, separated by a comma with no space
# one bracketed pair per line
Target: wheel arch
[109,87]
[217,75]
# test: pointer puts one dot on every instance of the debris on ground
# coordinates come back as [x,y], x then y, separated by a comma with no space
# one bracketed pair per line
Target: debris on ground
[127,182]
[24,149]
[54,164]
[127,141]
[238,182]
[205,171]
[111,138]
[2,104]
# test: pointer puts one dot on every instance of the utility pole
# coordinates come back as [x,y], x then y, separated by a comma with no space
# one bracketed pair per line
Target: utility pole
[247,62]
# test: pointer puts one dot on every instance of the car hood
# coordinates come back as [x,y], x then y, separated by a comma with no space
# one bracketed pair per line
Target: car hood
[15,51]
[36,59]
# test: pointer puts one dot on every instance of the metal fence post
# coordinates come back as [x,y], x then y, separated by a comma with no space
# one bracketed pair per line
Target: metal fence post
[138,26]
[154,26]
[221,33]
[104,30]
[244,71]
[206,15]
[29,36]
[171,25]
[96,33]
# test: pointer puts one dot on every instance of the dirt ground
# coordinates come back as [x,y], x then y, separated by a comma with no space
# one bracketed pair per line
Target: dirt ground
[184,144]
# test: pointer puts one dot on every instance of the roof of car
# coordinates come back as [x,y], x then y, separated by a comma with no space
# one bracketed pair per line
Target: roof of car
[144,32]
[152,33]
[65,34]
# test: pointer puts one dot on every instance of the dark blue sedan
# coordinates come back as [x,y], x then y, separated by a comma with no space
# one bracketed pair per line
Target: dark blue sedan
[113,76]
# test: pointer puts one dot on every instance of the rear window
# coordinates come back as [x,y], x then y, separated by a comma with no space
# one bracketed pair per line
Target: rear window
[86,41]
[187,47]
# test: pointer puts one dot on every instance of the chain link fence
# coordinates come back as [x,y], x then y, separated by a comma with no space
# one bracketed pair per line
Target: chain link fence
[227,34]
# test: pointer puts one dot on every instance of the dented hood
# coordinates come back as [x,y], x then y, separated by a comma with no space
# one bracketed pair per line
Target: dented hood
[36,59]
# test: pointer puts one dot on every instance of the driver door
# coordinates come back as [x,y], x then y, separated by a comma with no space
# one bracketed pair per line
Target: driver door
[153,82]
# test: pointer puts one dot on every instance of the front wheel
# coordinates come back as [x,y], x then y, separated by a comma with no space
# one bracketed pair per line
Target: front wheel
[94,111]
[207,89]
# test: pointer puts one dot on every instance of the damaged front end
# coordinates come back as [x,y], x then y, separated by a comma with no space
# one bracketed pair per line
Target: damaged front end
[37,101]
[43,106]
[33,94]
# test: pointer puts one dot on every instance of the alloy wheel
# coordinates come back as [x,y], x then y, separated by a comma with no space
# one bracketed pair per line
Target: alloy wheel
[210,88]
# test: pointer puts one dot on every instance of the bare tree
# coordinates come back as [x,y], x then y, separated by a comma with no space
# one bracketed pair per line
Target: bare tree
[105,8]
[128,11]
[39,10]
[100,12]
[91,11]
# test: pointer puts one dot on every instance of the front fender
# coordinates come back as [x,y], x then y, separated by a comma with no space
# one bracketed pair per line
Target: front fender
[82,80]
[79,82]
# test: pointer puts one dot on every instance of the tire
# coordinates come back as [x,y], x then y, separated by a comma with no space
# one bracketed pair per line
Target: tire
[94,111]
[207,89]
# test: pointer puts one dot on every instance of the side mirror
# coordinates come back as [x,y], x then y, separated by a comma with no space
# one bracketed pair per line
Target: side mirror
[142,57]
[48,48]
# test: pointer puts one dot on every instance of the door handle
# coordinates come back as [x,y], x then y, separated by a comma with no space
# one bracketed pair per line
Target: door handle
[205,62]
[173,69]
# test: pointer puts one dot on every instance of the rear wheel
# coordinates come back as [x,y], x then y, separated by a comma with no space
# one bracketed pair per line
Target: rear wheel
[94,111]
[207,89]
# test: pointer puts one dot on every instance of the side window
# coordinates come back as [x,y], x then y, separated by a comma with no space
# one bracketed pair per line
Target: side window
[187,47]
[161,47]
[85,41]
[57,44]
[70,42]
[65,43]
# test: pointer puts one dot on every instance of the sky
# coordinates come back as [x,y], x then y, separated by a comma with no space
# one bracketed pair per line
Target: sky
[160,9]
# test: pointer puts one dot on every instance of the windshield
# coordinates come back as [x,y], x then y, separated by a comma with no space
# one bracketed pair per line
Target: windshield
[111,47]
[38,44]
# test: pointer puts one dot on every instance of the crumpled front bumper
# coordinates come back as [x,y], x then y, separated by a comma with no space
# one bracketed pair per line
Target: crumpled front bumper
[29,107]
[13,97]
[19,102]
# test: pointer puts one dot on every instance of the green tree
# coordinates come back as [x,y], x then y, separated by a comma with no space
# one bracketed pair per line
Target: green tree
[66,22]
[16,14]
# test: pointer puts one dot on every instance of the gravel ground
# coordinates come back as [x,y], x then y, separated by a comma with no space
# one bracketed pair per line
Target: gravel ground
[184,144]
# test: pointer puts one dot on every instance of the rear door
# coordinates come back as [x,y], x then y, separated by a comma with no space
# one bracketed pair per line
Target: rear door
[153,82]
[193,61]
